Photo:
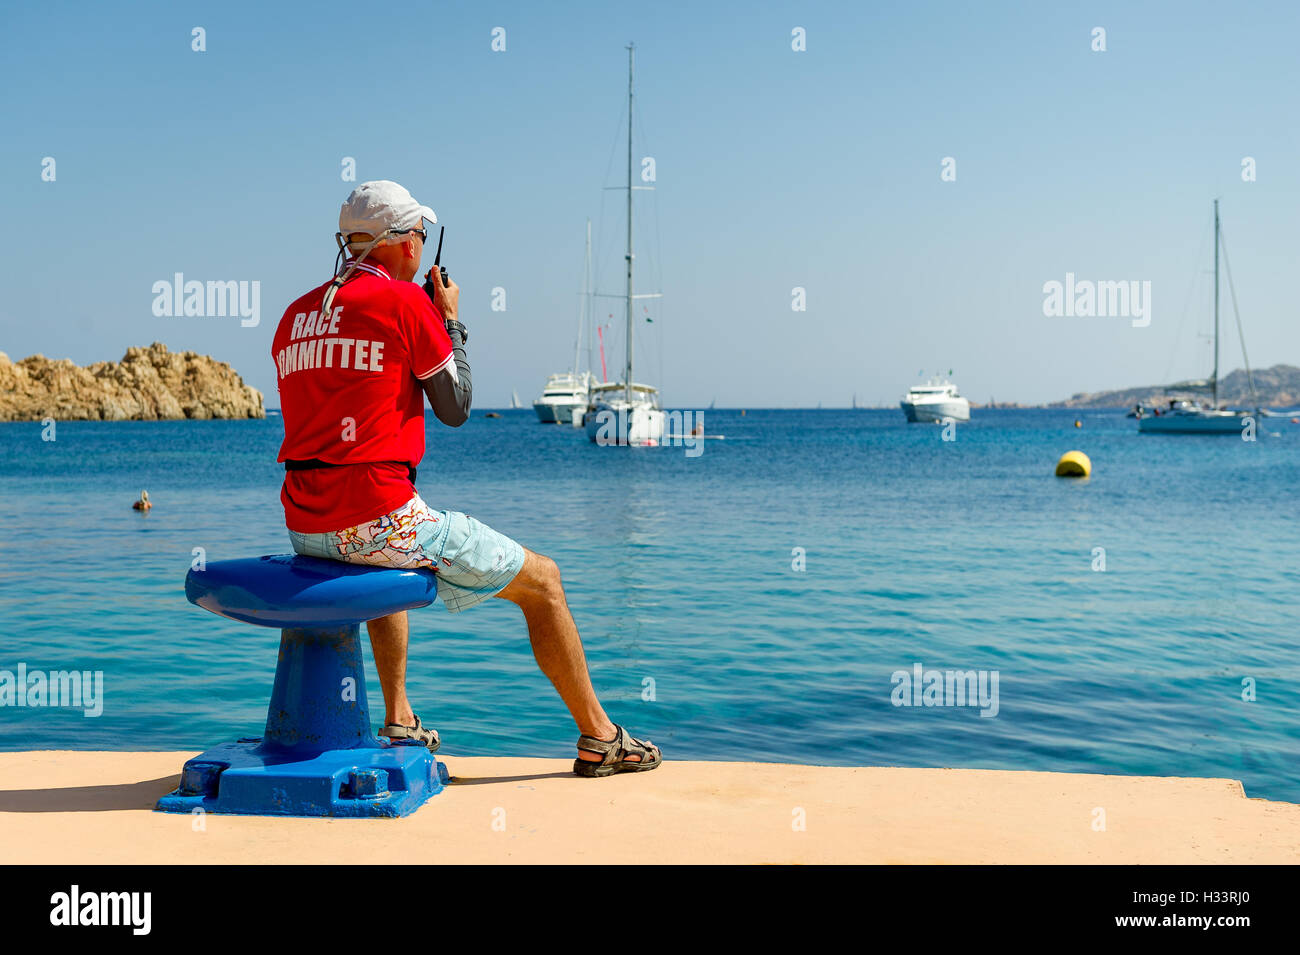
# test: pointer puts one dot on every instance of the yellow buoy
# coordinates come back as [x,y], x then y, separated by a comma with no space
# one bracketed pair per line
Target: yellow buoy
[1074,464]
[1078,423]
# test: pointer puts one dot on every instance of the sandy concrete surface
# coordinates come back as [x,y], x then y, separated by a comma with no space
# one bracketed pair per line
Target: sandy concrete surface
[80,807]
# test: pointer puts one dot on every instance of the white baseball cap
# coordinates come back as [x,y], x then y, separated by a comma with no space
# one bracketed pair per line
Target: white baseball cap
[379,206]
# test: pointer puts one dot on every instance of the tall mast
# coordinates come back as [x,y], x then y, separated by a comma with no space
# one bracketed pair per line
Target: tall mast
[586,296]
[1216,305]
[582,308]
[627,375]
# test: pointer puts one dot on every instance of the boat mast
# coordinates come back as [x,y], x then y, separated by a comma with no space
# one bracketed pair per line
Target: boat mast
[582,309]
[627,376]
[586,297]
[1215,380]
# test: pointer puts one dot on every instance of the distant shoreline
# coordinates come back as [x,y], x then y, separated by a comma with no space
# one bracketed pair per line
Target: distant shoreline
[478,412]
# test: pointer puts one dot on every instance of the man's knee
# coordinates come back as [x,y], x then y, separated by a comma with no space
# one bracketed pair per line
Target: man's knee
[543,577]
[548,573]
[537,583]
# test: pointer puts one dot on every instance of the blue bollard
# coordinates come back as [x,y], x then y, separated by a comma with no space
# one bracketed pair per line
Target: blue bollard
[318,755]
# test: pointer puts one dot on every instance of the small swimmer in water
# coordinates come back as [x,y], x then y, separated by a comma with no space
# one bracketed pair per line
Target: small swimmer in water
[142,504]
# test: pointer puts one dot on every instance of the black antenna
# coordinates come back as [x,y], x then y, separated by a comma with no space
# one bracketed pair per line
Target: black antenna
[437,256]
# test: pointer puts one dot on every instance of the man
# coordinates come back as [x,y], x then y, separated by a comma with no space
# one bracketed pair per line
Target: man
[355,359]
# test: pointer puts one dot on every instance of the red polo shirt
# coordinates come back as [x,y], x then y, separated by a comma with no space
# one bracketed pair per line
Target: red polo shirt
[350,394]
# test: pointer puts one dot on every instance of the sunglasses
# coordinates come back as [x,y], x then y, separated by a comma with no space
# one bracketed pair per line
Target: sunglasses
[424,236]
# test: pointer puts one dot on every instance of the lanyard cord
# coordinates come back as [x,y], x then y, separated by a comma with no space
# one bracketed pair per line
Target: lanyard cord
[340,280]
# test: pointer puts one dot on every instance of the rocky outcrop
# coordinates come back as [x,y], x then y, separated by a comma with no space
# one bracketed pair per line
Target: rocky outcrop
[1277,387]
[148,384]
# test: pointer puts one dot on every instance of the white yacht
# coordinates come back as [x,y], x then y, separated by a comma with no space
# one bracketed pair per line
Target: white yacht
[935,401]
[620,414]
[626,412]
[564,397]
[1186,415]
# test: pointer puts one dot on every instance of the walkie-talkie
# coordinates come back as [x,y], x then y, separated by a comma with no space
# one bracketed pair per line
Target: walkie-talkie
[437,256]
[437,264]
[433,292]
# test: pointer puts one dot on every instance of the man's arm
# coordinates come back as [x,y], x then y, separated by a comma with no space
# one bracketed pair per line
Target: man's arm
[450,390]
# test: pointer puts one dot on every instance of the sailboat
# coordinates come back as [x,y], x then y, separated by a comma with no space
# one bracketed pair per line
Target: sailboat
[514,400]
[565,396]
[1186,415]
[626,412]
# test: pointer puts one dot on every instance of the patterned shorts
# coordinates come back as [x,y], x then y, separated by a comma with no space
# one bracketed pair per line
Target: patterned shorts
[473,562]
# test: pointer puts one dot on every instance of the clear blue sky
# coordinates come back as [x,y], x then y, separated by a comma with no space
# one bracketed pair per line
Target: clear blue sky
[775,168]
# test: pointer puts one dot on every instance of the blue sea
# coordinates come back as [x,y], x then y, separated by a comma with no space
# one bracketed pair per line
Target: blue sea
[753,602]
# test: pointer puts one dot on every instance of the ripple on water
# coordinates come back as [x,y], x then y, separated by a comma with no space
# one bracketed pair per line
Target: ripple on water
[681,575]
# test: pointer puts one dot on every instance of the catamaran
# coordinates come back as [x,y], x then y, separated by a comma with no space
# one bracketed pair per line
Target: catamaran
[626,412]
[1186,415]
[565,396]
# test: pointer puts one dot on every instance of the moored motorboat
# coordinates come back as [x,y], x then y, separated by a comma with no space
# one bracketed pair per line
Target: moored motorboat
[564,397]
[935,401]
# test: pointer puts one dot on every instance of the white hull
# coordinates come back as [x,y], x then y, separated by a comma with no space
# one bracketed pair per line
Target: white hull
[620,423]
[1202,422]
[559,412]
[564,398]
[958,409]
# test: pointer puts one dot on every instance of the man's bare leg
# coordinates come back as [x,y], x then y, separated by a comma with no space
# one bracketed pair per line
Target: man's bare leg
[388,639]
[538,591]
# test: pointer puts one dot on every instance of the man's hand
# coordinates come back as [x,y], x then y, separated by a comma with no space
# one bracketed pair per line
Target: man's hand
[446,298]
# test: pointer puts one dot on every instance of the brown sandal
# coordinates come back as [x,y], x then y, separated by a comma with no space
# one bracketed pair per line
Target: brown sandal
[418,733]
[615,753]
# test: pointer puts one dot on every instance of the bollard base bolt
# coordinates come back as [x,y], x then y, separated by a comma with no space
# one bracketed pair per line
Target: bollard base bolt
[244,778]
